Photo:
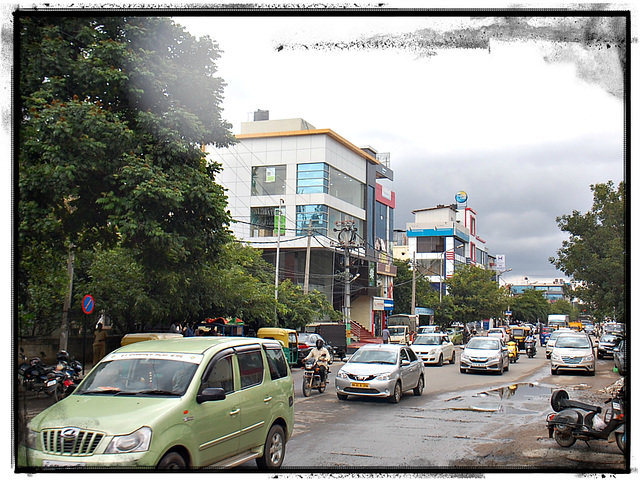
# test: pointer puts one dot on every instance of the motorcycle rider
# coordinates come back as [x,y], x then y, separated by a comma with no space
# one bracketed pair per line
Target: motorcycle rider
[321,355]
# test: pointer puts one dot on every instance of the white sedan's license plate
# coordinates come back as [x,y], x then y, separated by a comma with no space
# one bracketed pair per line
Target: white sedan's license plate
[359,385]
[59,463]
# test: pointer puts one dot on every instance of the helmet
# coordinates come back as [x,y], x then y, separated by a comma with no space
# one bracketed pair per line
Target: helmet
[319,344]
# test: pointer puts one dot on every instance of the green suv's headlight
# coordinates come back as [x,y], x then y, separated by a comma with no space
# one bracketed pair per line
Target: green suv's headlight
[31,439]
[137,441]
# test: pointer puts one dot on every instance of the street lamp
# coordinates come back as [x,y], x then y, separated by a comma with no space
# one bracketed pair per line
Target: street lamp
[278,224]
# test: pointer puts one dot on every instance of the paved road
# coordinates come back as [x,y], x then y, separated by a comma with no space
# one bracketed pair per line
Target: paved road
[482,422]
[476,422]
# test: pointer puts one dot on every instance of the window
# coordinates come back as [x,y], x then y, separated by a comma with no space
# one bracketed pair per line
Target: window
[277,363]
[316,214]
[268,180]
[251,368]
[321,178]
[265,219]
[430,244]
[412,355]
[220,375]
[312,178]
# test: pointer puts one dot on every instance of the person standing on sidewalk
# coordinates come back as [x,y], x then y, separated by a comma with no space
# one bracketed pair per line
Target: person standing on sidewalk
[385,335]
[99,344]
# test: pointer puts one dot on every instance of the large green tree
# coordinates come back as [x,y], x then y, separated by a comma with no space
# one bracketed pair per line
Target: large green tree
[474,295]
[530,307]
[595,254]
[113,112]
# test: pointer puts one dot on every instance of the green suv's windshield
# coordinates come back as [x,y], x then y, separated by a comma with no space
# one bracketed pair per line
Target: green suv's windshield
[139,376]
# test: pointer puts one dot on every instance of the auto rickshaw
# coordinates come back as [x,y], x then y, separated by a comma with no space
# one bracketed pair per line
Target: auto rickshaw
[519,334]
[288,338]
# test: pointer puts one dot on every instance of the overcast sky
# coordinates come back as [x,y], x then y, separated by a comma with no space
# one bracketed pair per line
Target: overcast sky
[502,109]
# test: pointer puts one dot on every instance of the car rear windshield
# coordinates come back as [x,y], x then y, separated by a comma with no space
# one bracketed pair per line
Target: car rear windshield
[483,344]
[428,340]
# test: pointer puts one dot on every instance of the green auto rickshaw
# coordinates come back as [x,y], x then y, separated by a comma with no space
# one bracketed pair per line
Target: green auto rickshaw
[287,337]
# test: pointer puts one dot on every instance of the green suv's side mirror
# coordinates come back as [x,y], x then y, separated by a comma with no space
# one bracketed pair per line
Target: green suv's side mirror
[211,394]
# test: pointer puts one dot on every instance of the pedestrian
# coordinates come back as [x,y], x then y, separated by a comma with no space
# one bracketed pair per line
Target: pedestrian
[385,335]
[99,343]
[175,327]
[188,331]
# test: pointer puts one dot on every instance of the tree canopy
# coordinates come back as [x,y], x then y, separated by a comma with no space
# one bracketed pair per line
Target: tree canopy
[114,112]
[474,295]
[595,255]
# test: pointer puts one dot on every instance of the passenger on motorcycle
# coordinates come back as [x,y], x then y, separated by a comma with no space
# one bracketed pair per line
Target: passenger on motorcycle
[321,355]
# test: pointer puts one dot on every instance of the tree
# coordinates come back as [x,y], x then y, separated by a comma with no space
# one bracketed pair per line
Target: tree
[530,307]
[596,252]
[474,295]
[113,113]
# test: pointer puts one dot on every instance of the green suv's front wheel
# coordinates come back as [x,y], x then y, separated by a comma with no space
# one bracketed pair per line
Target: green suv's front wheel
[273,449]
[172,461]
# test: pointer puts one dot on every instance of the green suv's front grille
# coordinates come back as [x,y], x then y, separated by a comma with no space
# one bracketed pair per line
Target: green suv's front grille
[67,441]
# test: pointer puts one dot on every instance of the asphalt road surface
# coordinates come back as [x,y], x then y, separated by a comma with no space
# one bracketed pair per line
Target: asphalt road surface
[463,422]
[466,423]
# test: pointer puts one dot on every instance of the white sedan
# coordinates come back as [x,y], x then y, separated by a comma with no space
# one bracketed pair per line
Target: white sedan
[434,348]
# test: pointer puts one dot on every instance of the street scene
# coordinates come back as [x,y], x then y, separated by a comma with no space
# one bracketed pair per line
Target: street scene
[478,421]
[329,242]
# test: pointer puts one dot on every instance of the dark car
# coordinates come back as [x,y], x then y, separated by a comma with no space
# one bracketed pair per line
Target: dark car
[619,357]
[307,341]
[607,344]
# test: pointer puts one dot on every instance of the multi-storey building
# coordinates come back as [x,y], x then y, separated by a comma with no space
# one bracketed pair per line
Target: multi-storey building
[440,239]
[320,208]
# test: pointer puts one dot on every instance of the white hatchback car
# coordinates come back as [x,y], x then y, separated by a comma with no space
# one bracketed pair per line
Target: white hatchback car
[498,332]
[434,348]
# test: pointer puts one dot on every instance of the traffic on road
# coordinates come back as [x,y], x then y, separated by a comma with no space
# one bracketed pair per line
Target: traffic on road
[192,403]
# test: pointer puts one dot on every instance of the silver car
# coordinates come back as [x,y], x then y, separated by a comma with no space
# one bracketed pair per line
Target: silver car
[551,341]
[485,353]
[573,352]
[381,370]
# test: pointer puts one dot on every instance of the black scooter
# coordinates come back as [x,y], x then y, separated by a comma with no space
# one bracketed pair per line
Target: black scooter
[530,346]
[570,423]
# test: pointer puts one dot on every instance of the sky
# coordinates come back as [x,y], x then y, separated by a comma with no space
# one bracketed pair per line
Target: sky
[524,124]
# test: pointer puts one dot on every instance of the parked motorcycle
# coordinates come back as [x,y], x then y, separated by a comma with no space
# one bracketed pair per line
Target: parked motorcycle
[312,378]
[35,376]
[514,355]
[531,348]
[570,423]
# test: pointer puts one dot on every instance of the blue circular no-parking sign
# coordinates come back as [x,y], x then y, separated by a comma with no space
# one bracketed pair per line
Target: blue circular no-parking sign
[88,304]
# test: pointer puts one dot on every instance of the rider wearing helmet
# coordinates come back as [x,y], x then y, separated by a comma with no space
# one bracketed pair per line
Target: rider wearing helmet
[321,355]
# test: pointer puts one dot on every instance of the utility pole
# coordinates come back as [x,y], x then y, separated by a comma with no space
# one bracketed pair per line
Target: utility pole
[413,286]
[347,240]
[307,261]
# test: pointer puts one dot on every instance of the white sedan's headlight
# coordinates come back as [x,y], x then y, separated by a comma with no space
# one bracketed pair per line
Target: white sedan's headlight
[588,358]
[137,441]
[384,376]
[556,357]
[342,374]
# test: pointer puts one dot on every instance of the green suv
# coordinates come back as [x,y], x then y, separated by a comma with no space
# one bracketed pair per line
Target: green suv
[171,404]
